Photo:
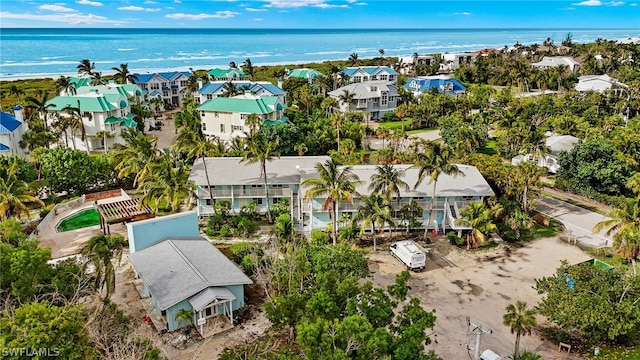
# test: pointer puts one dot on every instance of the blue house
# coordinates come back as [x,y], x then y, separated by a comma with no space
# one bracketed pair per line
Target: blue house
[443,83]
[179,270]
[12,127]
[168,86]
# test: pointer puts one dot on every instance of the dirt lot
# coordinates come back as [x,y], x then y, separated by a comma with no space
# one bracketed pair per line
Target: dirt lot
[457,283]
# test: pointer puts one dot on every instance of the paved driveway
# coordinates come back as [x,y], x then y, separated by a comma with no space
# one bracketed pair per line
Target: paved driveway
[578,221]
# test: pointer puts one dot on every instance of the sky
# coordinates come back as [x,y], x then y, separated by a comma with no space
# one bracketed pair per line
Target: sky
[320,14]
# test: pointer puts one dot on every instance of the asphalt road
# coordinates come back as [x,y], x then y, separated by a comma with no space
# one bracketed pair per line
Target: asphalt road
[579,222]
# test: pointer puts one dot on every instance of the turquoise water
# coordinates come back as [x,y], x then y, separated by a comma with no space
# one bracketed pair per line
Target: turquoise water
[30,52]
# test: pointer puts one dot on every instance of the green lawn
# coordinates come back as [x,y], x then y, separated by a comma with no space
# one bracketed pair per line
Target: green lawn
[418,131]
[489,148]
[393,125]
[82,219]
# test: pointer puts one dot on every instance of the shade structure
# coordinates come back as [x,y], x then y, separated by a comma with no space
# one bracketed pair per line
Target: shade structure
[123,211]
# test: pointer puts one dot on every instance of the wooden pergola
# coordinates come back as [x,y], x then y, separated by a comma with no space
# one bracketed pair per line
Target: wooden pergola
[121,212]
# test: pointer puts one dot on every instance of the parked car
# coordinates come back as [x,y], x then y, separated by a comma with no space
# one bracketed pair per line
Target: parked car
[411,254]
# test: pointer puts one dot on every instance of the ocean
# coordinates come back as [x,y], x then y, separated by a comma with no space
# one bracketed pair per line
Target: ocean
[53,52]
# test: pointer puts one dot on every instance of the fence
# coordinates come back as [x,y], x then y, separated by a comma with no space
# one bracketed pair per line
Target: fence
[103,195]
[73,204]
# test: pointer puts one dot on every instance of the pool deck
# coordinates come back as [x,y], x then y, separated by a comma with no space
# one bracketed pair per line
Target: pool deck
[71,242]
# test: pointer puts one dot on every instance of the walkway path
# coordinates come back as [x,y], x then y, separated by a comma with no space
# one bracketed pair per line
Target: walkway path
[578,221]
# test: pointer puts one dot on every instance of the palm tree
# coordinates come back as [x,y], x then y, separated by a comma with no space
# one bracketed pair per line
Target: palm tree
[64,86]
[301,148]
[248,68]
[388,181]
[432,162]
[168,181]
[626,225]
[229,89]
[526,176]
[86,67]
[102,250]
[97,79]
[15,194]
[375,209]
[336,120]
[334,184]
[253,122]
[39,105]
[381,51]
[135,156]
[77,123]
[123,76]
[479,218]
[518,221]
[201,149]
[520,320]
[105,135]
[16,91]
[353,59]
[347,97]
[193,84]
[260,149]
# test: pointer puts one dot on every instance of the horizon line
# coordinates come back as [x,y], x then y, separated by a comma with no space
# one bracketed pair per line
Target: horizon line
[327,28]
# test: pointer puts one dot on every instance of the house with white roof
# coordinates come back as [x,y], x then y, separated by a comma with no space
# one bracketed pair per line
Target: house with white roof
[181,271]
[600,83]
[443,83]
[225,118]
[101,108]
[407,65]
[168,86]
[241,183]
[214,89]
[548,62]
[357,74]
[12,127]
[556,144]
[453,61]
[372,97]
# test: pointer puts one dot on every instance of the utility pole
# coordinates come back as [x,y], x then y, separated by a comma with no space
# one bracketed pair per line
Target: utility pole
[478,331]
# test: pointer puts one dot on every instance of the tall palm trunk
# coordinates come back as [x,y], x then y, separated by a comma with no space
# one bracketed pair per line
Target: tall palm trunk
[335,222]
[431,206]
[266,189]
[206,173]
[516,352]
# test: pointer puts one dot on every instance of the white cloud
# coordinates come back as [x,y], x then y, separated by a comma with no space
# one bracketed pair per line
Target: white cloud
[72,19]
[177,1]
[352,1]
[254,9]
[633,4]
[149,2]
[589,3]
[293,3]
[568,9]
[330,6]
[615,3]
[361,4]
[465,13]
[138,8]
[217,15]
[258,19]
[87,2]
[56,8]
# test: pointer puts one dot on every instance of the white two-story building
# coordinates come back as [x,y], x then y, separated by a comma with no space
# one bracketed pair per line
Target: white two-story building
[372,97]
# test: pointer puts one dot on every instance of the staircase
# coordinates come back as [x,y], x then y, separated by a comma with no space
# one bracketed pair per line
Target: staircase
[296,209]
[454,214]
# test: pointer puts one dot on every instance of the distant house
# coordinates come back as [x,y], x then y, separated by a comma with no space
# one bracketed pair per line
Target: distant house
[453,61]
[226,118]
[305,73]
[184,273]
[487,52]
[444,84]
[407,65]
[12,127]
[556,144]
[230,74]
[214,89]
[372,97]
[600,83]
[548,62]
[102,108]
[168,86]
[357,74]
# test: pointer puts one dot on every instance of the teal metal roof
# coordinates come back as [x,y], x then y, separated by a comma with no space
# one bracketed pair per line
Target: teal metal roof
[237,105]
[84,103]
[79,82]
[305,73]
[226,73]
[113,120]
[129,123]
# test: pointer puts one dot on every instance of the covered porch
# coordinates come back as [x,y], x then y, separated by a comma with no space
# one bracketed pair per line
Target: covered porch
[213,310]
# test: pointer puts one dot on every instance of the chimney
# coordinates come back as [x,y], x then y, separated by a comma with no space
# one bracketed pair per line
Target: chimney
[280,82]
[17,113]
[199,83]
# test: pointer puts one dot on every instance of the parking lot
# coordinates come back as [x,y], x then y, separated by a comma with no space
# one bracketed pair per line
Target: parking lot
[479,284]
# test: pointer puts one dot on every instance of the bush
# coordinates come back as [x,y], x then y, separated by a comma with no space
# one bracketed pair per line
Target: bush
[240,250]
[46,210]
[454,239]
[225,231]
[319,237]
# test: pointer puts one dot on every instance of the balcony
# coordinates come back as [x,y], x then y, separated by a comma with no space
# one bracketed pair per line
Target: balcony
[238,193]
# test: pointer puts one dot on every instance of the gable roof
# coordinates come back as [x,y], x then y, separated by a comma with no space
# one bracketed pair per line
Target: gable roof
[371,70]
[168,76]
[553,61]
[559,143]
[8,123]
[214,87]
[176,269]
[305,73]
[362,90]
[85,103]
[598,83]
[78,82]
[226,73]
[237,104]
[425,83]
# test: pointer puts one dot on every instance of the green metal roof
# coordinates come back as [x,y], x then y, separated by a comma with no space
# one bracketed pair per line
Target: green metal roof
[85,103]
[305,73]
[275,122]
[79,82]
[113,120]
[130,116]
[129,123]
[226,73]
[237,105]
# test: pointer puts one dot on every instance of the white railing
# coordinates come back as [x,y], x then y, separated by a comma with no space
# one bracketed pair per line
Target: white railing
[203,193]
[57,209]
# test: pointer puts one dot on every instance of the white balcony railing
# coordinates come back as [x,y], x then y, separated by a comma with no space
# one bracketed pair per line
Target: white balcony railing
[203,193]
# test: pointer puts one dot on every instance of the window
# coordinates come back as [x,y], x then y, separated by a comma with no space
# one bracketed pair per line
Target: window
[209,96]
[222,128]
[113,127]
[374,77]
[236,128]
[374,88]
[375,100]
[215,114]
[362,103]
[259,186]
[258,201]
[208,311]
[155,86]
[275,200]
[174,92]
[384,77]
[164,84]
[243,116]
[204,126]
[183,83]
[357,79]
[165,93]
[275,186]
[384,98]
[202,114]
